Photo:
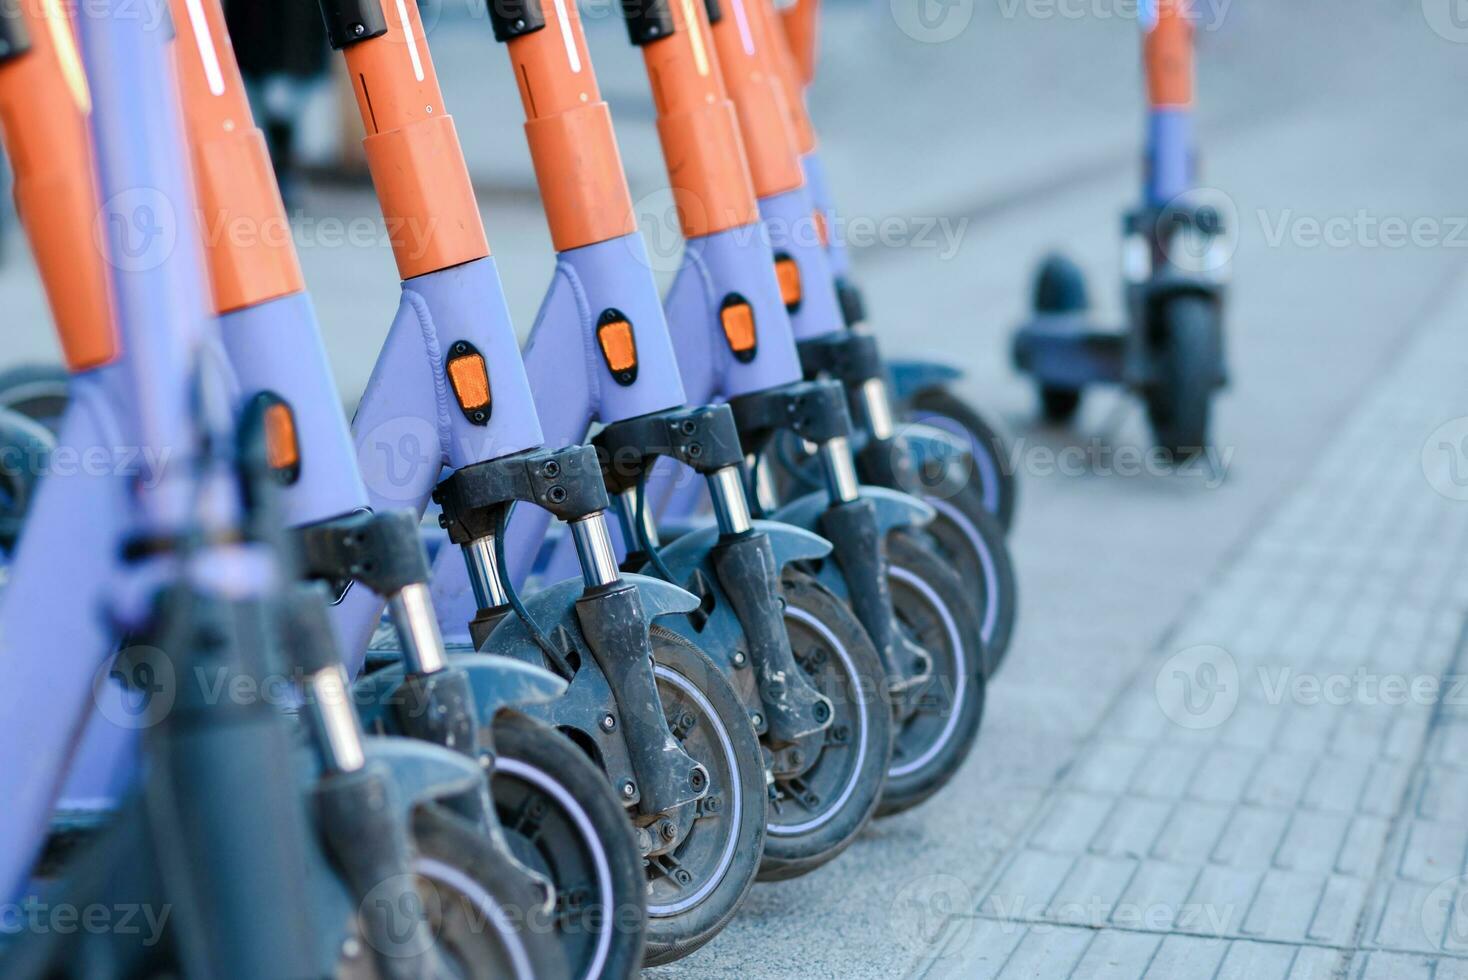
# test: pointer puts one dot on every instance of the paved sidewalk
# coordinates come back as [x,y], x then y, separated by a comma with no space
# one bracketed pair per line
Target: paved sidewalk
[1279,791]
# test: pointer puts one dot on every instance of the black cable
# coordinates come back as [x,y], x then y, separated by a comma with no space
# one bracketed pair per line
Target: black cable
[558,661]
[751,489]
[798,472]
[643,541]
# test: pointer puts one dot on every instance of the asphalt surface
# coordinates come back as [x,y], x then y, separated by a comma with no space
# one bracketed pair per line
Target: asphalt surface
[1325,124]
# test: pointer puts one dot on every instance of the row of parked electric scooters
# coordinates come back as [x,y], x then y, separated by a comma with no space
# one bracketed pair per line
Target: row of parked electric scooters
[581,744]
[571,744]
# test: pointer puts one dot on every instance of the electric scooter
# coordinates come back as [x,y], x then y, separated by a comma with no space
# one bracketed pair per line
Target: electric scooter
[466,702]
[448,412]
[810,678]
[921,390]
[196,588]
[733,340]
[963,532]
[1174,263]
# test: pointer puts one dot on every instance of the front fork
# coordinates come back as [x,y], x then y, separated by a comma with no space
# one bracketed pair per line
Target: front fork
[568,484]
[852,358]
[816,412]
[705,439]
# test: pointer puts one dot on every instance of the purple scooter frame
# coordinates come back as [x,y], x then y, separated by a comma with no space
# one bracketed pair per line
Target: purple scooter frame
[150,398]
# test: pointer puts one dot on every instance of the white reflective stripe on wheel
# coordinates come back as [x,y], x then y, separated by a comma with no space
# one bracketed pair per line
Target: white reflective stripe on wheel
[790,830]
[991,574]
[727,858]
[435,870]
[546,784]
[954,637]
[981,455]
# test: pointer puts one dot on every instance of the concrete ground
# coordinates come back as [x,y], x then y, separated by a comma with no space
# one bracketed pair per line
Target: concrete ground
[1216,748]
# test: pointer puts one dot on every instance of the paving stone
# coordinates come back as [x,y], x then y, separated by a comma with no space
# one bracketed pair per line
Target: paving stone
[1284,906]
[1316,963]
[1091,891]
[1434,851]
[1312,841]
[1251,838]
[1219,901]
[1048,951]
[1115,955]
[1255,961]
[1072,822]
[1365,842]
[1184,956]
[1338,914]
[1191,832]
[1132,827]
[1395,966]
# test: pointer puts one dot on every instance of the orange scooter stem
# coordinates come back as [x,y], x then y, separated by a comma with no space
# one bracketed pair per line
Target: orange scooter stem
[413,148]
[247,238]
[569,129]
[44,104]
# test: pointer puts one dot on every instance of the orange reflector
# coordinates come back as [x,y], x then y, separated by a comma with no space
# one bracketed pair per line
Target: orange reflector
[823,233]
[618,346]
[282,451]
[738,322]
[470,379]
[788,273]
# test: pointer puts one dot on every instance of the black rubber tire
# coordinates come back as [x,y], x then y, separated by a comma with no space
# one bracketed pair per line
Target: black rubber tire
[931,607]
[25,448]
[37,391]
[479,920]
[997,485]
[1187,358]
[970,542]
[1060,286]
[685,678]
[1059,405]
[849,759]
[562,820]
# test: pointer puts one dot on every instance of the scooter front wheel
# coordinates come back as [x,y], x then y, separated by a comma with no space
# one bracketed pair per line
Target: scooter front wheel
[562,820]
[941,408]
[37,391]
[934,737]
[968,538]
[826,786]
[695,884]
[478,920]
[1188,355]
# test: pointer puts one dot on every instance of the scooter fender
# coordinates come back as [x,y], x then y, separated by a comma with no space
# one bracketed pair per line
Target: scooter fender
[721,632]
[894,509]
[497,683]
[790,544]
[908,377]
[589,696]
[423,772]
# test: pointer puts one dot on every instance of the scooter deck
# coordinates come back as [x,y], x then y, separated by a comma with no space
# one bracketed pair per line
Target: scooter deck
[1067,350]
